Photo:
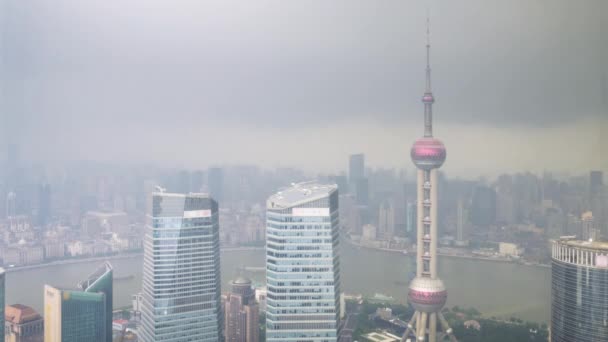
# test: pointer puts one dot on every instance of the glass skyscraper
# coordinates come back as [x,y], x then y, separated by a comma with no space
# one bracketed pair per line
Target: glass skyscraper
[181,281]
[81,314]
[302,264]
[579,291]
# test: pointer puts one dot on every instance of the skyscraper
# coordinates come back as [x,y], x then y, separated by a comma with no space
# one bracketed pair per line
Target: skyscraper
[81,314]
[181,280]
[579,291]
[356,167]
[242,318]
[427,294]
[302,264]
[102,281]
[2,294]
[215,182]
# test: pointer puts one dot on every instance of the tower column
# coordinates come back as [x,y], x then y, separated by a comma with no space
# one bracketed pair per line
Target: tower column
[433,215]
[433,327]
[419,218]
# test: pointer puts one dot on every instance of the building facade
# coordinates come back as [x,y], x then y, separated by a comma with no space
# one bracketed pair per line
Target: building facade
[242,316]
[579,291]
[302,264]
[23,324]
[181,280]
[83,313]
[2,294]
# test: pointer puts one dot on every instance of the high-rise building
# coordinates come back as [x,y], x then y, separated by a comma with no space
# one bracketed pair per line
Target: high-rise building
[302,264]
[427,293]
[386,219]
[462,238]
[215,182]
[356,167]
[2,294]
[579,291]
[181,281]
[483,206]
[596,181]
[23,324]
[44,204]
[242,318]
[588,225]
[81,314]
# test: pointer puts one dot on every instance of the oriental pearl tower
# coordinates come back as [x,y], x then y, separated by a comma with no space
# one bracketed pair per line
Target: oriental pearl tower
[427,294]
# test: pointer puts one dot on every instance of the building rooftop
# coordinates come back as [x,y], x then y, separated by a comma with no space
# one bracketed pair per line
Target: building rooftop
[19,314]
[300,193]
[594,245]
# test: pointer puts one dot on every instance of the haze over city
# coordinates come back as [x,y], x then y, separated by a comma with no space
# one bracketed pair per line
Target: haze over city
[520,85]
[304,171]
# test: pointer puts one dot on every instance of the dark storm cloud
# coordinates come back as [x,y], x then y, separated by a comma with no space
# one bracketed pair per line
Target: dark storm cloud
[95,68]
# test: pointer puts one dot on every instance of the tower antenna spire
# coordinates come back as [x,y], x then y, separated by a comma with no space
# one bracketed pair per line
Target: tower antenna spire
[428,53]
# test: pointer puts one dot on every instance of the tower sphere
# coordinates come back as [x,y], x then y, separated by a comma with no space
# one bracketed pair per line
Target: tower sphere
[427,294]
[428,153]
[428,98]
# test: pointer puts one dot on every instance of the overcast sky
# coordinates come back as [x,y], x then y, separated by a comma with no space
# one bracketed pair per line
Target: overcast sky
[520,85]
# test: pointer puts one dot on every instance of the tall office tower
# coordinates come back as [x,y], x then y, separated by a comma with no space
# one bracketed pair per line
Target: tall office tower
[215,182]
[461,224]
[596,181]
[44,204]
[101,281]
[483,206]
[81,314]
[11,204]
[579,291]
[427,294]
[588,227]
[181,279]
[242,318]
[2,299]
[302,264]
[356,167]
[386,219]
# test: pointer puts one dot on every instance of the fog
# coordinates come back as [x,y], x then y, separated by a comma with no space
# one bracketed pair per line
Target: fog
[520,85]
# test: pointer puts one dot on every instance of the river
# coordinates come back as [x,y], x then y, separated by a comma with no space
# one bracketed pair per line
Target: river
[494,288]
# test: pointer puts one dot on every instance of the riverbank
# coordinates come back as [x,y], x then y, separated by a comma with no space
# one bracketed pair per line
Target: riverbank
[460,256]
[108,257]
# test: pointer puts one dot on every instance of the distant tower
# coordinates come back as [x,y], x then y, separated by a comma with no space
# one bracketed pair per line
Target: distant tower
[427,294]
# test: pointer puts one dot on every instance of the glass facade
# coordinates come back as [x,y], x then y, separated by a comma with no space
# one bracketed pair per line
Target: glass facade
[302,265]
[181,280]
[579,292]
[102,281]
[83,317]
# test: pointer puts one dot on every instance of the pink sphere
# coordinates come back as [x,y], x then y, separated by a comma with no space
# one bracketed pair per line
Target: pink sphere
[427,295]
[428,153]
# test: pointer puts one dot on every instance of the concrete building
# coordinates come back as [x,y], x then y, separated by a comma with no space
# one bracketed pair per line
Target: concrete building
[427,293]
[508,249]
[302,264]
[23,324]
[181,280]
[579,291]
[242,314]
